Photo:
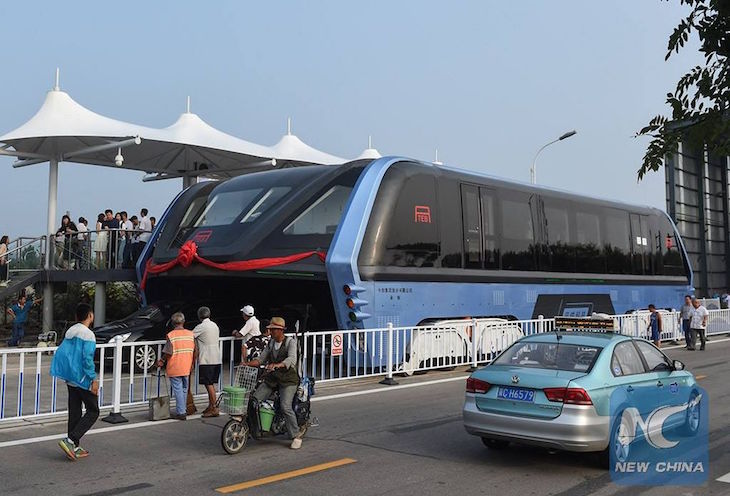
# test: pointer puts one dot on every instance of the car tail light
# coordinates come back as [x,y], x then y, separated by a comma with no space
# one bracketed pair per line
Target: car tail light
[569,396]
[477,386]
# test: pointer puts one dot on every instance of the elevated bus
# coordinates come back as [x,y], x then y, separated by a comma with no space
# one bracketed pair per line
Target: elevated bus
[407,242]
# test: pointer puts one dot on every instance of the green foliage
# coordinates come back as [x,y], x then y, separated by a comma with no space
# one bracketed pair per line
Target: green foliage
[700,103]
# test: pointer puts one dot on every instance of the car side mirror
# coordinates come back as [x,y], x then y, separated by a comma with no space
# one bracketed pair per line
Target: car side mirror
[677,365]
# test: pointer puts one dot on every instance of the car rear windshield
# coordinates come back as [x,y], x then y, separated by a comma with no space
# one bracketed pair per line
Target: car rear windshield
[555,356]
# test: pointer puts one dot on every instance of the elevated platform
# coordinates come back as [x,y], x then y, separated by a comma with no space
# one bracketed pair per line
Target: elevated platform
[22,280]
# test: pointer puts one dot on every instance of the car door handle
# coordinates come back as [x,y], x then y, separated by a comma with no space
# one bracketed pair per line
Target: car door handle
[659,384]
[630,389]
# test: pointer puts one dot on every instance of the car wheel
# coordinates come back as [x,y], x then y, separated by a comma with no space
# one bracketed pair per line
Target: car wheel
[144,355]
[692,422]
[620,442]
[495,444]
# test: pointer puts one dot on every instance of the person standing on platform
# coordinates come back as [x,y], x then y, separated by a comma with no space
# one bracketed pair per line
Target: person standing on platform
[112,225]
[698,324]
[655,325]
[3,261]
[101,241]
[177,359]
[82,246]
[207,336]
[145,226]
[685,316]
[73,362]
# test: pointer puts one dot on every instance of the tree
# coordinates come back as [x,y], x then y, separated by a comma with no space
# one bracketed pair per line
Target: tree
[700,104]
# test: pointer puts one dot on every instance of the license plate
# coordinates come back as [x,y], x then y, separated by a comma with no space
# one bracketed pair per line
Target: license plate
[516,394]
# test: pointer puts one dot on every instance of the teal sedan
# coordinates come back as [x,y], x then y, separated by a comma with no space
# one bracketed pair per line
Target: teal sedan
[555,390]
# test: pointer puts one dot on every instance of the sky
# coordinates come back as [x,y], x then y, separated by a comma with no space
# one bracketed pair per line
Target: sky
[487,83]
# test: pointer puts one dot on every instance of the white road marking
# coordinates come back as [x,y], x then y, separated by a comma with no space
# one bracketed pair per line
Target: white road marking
[724,478]
[676,347]
[385,389]
[138,425]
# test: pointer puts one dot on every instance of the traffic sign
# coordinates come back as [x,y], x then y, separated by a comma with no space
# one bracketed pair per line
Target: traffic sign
[336,344]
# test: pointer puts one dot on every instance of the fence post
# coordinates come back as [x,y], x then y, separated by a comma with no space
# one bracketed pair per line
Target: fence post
[115,416]
[540,323]
[637,332]
[389,381]
[474,352]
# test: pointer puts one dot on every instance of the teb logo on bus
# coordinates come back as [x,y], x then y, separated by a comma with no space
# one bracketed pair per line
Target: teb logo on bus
[659,434]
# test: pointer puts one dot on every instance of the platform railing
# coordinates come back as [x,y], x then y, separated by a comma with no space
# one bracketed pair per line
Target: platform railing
[128,376]
[104,249]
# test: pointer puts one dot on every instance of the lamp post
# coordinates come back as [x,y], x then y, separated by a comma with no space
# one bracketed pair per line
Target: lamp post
[533,169]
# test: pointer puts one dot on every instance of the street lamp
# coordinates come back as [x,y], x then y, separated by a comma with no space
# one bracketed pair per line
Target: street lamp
[533,169]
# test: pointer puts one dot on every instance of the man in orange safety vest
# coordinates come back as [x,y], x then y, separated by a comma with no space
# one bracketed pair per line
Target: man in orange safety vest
[177,358]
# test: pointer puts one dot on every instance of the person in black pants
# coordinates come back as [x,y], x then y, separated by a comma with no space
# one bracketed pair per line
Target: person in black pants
[73,362]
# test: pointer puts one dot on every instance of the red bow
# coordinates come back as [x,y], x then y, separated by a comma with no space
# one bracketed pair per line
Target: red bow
[189,253]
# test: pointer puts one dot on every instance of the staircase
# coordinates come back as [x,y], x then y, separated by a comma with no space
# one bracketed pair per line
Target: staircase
[25,259]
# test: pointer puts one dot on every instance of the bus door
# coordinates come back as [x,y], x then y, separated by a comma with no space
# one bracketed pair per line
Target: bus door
[479,216]
[641,244]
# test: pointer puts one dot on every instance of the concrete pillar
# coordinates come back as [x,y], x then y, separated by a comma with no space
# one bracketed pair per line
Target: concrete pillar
[100,304]
[47,303]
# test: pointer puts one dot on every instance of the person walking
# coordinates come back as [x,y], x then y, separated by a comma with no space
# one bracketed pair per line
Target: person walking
[177,359]
[655,325]
[19,313]
[207,335]
[4,260]
[685,315]
[73,362]
[698,324]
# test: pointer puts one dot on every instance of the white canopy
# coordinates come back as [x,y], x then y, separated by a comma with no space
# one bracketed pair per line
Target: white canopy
[64,130]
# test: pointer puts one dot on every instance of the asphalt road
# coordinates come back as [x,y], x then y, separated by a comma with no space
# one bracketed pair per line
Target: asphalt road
[399,441]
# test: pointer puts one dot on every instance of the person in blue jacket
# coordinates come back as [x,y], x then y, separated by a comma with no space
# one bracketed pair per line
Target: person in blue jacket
[19,312]
[73,362]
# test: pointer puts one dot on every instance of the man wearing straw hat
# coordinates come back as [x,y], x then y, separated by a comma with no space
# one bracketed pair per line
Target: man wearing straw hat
[280,358]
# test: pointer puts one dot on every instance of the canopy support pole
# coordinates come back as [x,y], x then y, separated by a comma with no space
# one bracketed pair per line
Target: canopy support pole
[52,203]
[50,245]
[189,181]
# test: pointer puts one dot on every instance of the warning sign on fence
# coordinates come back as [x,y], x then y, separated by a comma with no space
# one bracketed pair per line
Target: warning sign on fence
[336,344]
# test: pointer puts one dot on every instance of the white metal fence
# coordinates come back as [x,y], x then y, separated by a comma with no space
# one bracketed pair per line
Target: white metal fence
[28,391]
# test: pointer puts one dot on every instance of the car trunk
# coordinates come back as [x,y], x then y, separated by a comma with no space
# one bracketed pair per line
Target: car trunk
[530,380]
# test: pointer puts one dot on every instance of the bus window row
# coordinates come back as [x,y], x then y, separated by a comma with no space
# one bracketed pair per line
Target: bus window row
[439,222]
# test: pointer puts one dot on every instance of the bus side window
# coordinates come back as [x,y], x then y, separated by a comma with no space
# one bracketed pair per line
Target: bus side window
[518,235]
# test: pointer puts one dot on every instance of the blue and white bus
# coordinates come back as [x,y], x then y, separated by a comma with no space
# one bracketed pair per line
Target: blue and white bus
[410,242]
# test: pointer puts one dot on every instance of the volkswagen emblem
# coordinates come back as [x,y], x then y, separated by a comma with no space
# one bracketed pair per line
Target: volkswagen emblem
[515,379]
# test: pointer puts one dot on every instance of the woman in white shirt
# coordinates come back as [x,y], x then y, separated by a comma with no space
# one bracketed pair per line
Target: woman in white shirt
[100,243]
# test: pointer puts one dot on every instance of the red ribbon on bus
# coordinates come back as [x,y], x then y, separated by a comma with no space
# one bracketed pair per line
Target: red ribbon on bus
[189,253]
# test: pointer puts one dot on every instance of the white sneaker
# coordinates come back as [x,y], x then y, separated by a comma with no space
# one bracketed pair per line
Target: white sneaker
[296,443]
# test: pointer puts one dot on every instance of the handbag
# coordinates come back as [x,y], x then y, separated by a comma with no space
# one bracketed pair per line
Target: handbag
[159,407]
